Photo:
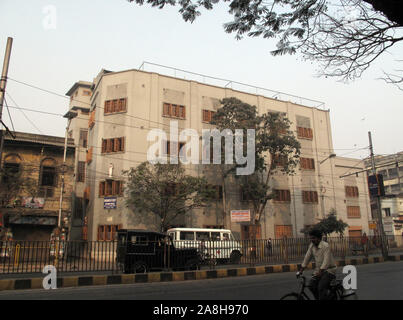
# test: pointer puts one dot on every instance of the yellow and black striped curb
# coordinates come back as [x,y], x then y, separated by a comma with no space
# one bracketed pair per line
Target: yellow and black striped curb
[79,281]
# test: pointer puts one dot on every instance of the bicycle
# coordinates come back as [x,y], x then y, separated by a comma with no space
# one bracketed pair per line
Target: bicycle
[336,291]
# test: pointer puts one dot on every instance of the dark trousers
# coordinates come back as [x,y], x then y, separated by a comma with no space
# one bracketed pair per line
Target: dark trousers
[319,286]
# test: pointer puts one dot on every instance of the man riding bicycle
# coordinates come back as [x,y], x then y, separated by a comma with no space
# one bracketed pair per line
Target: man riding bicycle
[325,270]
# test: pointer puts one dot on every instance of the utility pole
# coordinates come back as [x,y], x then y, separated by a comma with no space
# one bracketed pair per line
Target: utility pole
[379,211]
[3,82]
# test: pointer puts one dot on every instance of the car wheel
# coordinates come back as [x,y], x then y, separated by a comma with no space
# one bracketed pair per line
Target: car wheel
[235,257]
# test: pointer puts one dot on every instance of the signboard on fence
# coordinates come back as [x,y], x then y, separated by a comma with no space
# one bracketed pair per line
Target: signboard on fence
[110,203]
[240,215]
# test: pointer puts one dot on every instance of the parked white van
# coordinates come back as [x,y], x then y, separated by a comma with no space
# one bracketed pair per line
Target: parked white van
[220,244]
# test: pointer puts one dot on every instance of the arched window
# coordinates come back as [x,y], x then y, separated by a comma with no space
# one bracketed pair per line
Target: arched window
[48,173]
[12,167]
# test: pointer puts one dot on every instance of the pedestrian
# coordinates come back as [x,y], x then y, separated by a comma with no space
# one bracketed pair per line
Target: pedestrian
[364,243]
[268,247]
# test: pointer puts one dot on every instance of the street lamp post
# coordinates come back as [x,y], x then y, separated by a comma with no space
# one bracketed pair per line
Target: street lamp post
[332,155]
[69,115]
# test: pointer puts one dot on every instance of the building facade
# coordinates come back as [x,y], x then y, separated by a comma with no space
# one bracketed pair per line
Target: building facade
[391,169]
[30,186]
[126,105]
[80,95]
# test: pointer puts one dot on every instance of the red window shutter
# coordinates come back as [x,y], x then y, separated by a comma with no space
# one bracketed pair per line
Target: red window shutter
[100,233]
[101,189]
[109,145]
[106,108]
[116,145]
[183,109]
[204,115]
[122,144]
[103,146]
[166,108]
[114,189]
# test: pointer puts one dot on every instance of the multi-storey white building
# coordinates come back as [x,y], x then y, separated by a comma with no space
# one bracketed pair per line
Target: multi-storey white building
[126,105]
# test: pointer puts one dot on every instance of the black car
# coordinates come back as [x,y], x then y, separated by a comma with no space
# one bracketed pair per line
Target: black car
[140,251]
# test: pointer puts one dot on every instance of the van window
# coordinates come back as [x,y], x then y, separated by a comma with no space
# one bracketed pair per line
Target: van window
[200,236]
[172,235]
[215,236]
[187,235]
[139,240]
[226,236]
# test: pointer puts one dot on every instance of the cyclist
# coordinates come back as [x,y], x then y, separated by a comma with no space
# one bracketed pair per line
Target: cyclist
[325,269]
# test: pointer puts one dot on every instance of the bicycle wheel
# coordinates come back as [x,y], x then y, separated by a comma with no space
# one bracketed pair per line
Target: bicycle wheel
[292,296]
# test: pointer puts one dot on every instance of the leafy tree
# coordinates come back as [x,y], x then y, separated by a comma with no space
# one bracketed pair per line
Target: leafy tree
[344,36]
[329,225]
[166,191]
[276,149]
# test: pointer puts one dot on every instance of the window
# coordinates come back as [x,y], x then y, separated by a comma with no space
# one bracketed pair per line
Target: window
[48,173]
[203,236]
[12,167]
[207,115]
[278,161]
[395,187]
[307,163]
[81,171]
[387,212]
[174,111]
[187,235]
[110,188]
[79,208]
[113,145]
[168,145]
[353,212]
[305,133]
[83,138]
[351,192]
[86,93]
[282,231]
[116,105]
[218,192]
[282,195]
[392,173]
[107,232]
[245,196]
[309,196]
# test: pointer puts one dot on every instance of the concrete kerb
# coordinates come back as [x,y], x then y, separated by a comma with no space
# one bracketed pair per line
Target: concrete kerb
[79,281]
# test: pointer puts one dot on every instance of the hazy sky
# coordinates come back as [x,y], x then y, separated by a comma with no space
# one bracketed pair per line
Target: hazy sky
[117,35]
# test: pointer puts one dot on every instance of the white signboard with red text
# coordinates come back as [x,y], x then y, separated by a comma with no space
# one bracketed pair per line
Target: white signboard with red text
[240,215]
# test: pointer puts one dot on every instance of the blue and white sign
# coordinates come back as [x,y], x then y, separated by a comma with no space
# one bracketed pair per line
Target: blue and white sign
[110,202]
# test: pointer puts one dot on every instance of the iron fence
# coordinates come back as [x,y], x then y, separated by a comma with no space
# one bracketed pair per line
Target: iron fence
[89,256]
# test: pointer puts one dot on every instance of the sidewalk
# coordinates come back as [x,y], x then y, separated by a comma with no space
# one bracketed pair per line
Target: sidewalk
[106,279]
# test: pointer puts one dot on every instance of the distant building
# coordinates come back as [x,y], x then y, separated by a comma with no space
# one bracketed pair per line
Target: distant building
[80,95]
[126,105]
[391,169]
[30,185]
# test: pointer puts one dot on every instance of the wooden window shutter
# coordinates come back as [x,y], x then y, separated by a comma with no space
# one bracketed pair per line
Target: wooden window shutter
[108,145]
[103,150]
[106,107]
[122,144]
[101,189]
[205,115]
[165,110]
[315,196]
[124,107]
[100,233]
[114,188]
[116,144]
[182,112]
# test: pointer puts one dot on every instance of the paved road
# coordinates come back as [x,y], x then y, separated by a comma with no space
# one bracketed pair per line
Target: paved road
[375,282]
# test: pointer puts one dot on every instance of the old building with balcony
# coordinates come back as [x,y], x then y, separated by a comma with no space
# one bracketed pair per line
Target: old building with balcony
[30,186]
